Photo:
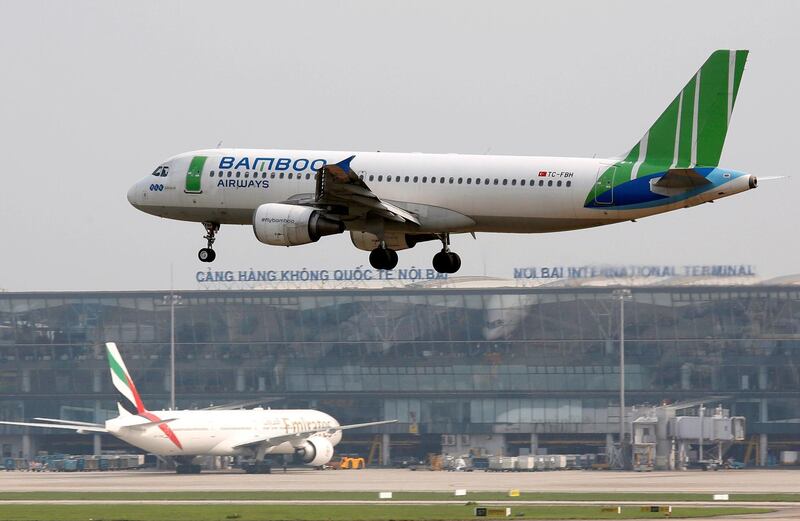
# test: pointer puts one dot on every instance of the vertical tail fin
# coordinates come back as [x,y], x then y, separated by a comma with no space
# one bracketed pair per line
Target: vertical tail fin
[128,399]
[692,129]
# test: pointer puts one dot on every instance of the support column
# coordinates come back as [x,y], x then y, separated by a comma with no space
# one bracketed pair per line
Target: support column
[386,450]
[763,441]
[534,443]
[27,450]
[240,380]
[763,380]
[98,444]
[609,445]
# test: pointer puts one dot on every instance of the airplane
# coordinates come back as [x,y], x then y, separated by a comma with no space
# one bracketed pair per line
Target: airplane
[393,201]
[182,435]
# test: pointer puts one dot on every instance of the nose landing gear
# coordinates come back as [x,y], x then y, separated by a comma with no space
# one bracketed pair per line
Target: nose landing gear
[446,261]
[208,254]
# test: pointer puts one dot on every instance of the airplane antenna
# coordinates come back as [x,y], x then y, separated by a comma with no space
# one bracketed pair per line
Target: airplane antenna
[219,145]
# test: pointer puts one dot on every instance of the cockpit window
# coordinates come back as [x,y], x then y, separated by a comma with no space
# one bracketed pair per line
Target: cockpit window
[157,171]
[164,171]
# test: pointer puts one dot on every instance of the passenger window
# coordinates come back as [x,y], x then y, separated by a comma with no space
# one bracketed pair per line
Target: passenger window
[380,178]
[397,179]
[441,180]
[388,179]
[558,183]
[505,182]
[486,181]
[211,174]
[406,180]
[272,175]
[496,181]
[460,180]
[416,179]
[290,175]
[281,175]
[541,182]
[238,174]
[513,182]
[433,179]
[246,174]
[264,175]
[308,176]
[371,177]
[425,179]
[451,180]
[569,183]
[550,183]
[469,180]
[230,173]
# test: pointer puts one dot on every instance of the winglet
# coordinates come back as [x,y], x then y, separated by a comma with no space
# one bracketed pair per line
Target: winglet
[345,164]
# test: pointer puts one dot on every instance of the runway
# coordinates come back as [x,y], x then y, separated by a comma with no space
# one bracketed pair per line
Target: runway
[400,480]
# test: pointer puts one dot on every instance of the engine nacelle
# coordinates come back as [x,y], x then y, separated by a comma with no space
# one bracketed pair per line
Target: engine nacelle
[292,225]
[315,451]
[394,240]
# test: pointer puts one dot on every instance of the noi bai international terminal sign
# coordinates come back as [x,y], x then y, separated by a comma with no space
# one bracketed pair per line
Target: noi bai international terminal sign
[362,275]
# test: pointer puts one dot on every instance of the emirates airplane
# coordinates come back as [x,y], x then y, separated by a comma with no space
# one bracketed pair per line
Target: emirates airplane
[182,435]
[389,201]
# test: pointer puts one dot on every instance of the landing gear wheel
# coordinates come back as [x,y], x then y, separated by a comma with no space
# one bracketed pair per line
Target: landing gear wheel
[187,469]
[446,262]
[206,255]
[383,259]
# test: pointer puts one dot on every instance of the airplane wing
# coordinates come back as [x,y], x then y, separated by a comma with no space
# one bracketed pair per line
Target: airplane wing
[339,186]
[271,441]
[81,429]
[239,405]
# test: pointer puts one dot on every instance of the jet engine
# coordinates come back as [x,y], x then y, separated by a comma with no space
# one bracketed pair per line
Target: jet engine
[315,451]
[394,240]
[291,225]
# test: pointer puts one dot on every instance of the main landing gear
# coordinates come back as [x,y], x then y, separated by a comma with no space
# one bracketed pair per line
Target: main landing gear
[187,469]
[259,467]
[383,258]
[208,254]
[446,261]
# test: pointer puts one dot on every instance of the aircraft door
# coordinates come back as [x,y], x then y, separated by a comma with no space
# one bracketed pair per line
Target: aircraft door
[604,184]
[194,175]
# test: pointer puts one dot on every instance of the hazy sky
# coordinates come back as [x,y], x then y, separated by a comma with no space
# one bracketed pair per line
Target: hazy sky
[96,94]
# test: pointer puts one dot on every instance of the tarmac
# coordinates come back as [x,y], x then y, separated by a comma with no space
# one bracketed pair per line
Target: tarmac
[401,480]
[397,480]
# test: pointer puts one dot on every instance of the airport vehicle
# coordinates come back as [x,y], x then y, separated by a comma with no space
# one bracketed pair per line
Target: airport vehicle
[307,434]
[392,201]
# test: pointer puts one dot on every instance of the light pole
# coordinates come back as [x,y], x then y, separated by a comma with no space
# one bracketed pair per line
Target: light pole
[172,300]
[622,295]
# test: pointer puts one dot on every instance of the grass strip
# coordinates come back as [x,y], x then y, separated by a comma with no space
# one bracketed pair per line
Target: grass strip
[331,513]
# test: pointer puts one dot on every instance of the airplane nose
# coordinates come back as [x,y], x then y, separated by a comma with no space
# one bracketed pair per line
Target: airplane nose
[133,195]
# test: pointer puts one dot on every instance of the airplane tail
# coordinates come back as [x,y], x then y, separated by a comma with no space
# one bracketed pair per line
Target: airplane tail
[128,400]
[692,129]
[688,134]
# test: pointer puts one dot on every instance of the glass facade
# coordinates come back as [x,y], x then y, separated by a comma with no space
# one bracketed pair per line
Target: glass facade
[439,360]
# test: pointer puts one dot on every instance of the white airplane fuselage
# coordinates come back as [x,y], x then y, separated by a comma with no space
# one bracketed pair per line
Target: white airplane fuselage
[216,433]
[469,193]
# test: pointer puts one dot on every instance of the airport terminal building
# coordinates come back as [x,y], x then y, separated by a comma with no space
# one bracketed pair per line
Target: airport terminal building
[461,364]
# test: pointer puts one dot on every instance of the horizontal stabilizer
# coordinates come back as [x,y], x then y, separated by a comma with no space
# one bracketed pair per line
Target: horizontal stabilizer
[69,422]
[684,178]
[77,428]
